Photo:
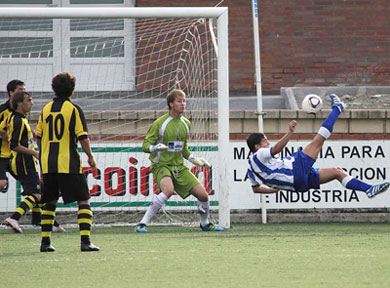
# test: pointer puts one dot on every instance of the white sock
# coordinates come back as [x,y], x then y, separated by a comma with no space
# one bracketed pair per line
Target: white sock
[204,209]
[324,132]
[154,207]
[345,180]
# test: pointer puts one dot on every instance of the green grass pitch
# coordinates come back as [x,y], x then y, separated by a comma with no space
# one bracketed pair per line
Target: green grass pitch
[283,255]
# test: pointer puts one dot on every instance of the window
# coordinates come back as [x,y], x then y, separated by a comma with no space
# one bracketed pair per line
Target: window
[29,2]
[83,47]
[96,24]
[23,47]
[96,2]
[26,25]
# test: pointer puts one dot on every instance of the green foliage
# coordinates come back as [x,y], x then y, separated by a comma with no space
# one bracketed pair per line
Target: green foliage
[288,255]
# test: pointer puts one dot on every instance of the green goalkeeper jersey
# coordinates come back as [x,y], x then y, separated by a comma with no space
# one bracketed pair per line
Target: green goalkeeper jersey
[174,134]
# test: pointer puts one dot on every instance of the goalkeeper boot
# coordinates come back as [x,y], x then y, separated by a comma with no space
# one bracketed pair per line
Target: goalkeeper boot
[47,248]
[88,247]
[336,102]
[14,224]
[141,228]
[377,189]
[211,227]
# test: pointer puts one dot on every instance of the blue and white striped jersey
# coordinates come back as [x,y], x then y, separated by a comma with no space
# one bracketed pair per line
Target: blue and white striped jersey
[268,170]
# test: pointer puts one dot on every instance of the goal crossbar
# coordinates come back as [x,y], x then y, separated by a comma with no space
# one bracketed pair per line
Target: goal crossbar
[106,12]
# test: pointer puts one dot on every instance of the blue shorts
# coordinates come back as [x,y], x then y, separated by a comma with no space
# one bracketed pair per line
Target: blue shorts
[305,176]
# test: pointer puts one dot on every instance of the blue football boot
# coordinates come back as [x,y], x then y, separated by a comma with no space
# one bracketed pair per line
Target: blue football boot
[211,227]
[336,102]
[377,189]
[141,228]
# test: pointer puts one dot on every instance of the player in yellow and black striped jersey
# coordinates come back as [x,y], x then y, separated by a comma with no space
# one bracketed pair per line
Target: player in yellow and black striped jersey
[23,164]
[61,125]
[5,152]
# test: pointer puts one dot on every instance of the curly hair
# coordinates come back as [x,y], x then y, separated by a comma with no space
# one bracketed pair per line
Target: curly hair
[63,84]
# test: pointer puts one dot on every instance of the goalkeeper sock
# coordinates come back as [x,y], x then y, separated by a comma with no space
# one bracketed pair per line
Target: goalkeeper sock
[355,184]
[84,219]
[27,203]
[204,210]
[48,214]
[327,126]
[154,207]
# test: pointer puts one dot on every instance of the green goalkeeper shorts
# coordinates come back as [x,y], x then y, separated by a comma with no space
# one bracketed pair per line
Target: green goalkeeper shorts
[182,178]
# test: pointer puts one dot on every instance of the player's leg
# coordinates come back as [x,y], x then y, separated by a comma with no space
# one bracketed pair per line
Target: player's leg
[4,167]
[47,221]
[204,208]
[36,215]
[164,182]
[329,174]
[188,182]
[50,194]
[84,219]
[326,129]
[31,189]
[74,187]
[36,218]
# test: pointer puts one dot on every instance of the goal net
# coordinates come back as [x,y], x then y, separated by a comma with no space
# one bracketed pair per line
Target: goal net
[124,68]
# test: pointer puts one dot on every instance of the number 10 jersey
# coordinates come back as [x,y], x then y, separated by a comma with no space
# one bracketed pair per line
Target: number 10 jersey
[60,125]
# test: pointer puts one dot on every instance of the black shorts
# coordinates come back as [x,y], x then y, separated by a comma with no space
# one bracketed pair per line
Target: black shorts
[71,187]
[30,183]
[5,166]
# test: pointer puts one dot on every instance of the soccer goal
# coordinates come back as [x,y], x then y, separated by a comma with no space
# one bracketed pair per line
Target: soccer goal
[125,61]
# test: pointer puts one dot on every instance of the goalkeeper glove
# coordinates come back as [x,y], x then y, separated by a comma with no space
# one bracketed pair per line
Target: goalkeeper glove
[158,147]
[198,161]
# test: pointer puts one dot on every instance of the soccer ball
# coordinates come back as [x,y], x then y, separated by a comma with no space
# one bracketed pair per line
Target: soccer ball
[312,103]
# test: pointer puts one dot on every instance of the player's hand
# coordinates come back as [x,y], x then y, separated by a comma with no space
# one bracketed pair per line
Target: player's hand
[92,163]
[292,125]
[199,161]
[158,147]
[36,155]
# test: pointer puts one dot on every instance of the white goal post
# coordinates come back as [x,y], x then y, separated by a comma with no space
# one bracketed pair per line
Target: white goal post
[218,13]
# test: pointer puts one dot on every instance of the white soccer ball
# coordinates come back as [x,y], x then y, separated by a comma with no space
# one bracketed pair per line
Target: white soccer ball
[312,103]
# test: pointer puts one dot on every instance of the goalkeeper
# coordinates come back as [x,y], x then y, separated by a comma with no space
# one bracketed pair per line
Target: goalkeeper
[166,141]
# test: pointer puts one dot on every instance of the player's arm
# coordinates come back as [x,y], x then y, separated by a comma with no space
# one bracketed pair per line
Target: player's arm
[283,142]
[85,144]
[25,150]
[38,132]
[15,142]
[198,161]
[186,151]
[81,131]
[3,129]
[263,189]
[258,186]
[150,144]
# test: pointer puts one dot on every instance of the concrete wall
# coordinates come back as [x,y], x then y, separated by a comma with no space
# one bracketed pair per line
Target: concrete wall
[119,123]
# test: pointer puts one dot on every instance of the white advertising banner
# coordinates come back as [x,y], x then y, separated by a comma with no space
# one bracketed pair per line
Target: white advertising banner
[366,160]
[124,180]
